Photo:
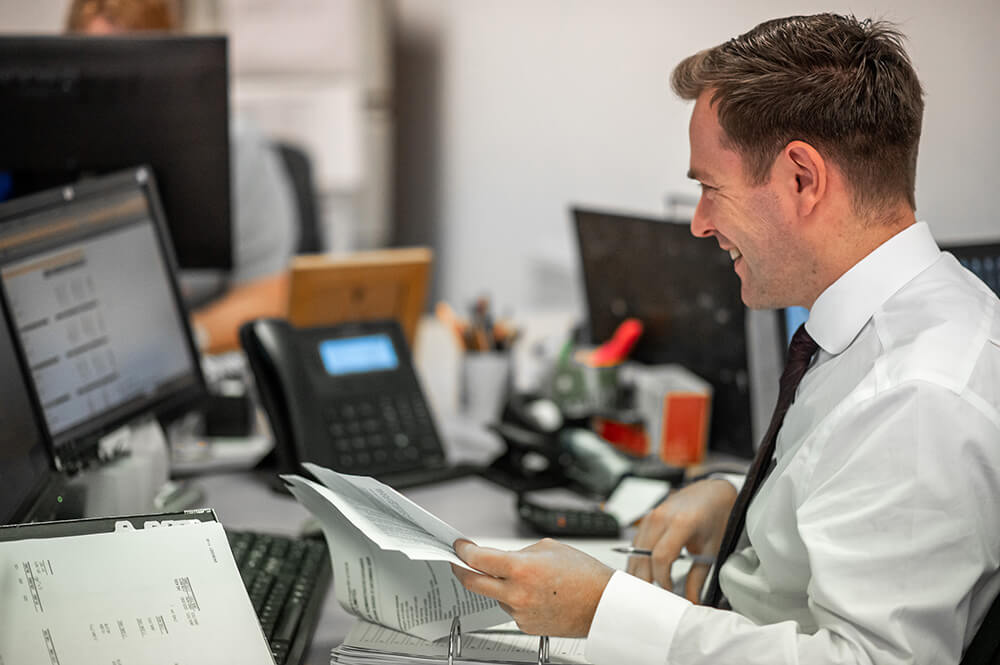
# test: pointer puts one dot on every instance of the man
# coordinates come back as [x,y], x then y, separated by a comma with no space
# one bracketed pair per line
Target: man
[265,229]
[873,537]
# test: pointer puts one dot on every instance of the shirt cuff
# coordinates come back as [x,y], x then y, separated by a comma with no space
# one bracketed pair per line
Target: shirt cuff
[734,479]
[634,623]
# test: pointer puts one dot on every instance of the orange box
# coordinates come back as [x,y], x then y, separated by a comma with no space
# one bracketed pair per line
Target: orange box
[676,405]
[685,429]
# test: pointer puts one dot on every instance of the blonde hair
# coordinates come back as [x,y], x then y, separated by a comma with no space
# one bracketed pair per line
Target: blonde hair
[125,15]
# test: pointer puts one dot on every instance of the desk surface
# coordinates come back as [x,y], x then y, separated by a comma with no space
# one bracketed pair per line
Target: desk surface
[476,507]
[244,501]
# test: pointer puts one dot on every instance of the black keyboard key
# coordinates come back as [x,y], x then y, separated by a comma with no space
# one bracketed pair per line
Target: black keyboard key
[286,580]
[291,615]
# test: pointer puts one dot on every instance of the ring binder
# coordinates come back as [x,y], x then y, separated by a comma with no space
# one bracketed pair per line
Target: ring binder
[455,644]
[543,649]
[455,640]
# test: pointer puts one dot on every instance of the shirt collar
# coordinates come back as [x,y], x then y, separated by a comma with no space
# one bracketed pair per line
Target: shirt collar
[843,309]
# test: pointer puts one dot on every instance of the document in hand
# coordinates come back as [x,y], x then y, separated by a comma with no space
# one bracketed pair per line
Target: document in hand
[391,557]
[143,590]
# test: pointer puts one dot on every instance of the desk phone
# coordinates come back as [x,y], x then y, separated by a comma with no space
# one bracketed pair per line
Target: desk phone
[346,397]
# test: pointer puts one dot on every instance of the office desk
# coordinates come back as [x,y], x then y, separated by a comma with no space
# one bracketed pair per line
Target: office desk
[244,501]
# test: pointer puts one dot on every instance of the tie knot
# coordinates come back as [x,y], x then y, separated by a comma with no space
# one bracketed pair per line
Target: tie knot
[802,347]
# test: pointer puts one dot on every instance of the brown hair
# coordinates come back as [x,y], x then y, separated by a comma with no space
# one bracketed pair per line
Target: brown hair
[126,15]
[845,86]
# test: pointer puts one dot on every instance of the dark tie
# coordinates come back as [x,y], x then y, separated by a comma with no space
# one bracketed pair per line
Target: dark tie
[800,352]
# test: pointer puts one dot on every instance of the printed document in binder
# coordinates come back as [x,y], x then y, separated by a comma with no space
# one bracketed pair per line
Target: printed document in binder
[369,644]
[391,558]
[147,590]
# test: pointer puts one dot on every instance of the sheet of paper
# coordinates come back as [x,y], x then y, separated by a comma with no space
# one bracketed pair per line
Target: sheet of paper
[388,517]
[403,579]
[504,643]
[634,497]
[163,594]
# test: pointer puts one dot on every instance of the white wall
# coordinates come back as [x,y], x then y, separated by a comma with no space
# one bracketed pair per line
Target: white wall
[544,103]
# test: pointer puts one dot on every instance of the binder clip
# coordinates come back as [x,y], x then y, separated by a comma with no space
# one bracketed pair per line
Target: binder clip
[455,644]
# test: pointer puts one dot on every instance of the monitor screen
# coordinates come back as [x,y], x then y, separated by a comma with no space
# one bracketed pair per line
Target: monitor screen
[983,259]
[687,295]
[791,319]
[88,281]
[83,106]
[25,467]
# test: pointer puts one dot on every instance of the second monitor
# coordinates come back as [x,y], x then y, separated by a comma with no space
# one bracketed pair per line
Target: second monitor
[73,107]
[686,294]
[87,279]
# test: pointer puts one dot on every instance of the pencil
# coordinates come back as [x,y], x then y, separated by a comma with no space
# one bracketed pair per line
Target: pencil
[447,316]
[693,558]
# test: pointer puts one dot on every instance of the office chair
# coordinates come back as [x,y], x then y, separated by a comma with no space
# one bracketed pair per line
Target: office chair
[300,175]
[985,646]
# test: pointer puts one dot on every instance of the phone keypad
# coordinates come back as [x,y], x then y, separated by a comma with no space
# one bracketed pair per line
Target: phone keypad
[382,434]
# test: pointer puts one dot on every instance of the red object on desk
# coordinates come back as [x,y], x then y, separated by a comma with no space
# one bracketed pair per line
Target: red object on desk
[685,428]
[616,349]
[629,437]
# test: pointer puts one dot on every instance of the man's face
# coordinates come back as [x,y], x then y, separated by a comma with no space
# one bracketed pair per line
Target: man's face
[751,223]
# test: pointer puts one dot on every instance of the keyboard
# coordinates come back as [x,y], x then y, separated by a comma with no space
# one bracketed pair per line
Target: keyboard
[287,579]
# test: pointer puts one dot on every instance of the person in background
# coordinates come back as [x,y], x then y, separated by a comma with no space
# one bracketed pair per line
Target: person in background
[265,230]
[866,531]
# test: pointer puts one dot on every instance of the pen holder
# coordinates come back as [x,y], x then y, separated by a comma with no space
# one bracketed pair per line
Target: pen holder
[485,384]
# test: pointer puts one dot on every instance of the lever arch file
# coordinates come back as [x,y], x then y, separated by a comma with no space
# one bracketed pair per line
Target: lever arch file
[371,644]
[145,589]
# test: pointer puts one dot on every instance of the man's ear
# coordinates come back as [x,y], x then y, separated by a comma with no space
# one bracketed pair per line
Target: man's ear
[806,173]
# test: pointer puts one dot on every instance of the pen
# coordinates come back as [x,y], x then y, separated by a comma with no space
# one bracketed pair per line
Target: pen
[694,558]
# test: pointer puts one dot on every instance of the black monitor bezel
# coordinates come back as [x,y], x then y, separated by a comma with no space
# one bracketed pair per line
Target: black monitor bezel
[976,250]
[730,435]
[82,439]
[100,86]
[40,494]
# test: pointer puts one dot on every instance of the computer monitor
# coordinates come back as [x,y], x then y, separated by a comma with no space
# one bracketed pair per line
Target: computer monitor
[790,318]
[87,276]
[687,295]
[28,484]
[72,107]
[983,259]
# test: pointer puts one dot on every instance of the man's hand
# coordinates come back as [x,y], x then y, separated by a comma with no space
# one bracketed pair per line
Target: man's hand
[547,588]
[694,517]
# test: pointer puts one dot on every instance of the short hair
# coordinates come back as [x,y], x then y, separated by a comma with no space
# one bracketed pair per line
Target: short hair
[845,86]
[126,15]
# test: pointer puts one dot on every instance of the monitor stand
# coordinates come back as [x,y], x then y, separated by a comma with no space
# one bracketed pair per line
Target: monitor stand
[136,479]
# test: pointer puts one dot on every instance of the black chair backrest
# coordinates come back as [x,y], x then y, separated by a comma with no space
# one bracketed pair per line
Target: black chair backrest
[300,175]
[985,646]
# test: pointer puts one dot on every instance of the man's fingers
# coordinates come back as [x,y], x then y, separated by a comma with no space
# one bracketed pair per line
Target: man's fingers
[485,559]
[696,581]
[665,552]
[479,583]
[640,566]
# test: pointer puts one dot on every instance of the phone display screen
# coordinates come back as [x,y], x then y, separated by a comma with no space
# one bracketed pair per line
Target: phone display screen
[351,355]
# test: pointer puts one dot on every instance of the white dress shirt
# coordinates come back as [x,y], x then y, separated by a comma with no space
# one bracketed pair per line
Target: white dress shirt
[876,538]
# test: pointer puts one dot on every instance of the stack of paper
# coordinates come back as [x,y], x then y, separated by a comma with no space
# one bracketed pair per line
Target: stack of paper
[391,558]
[369,644]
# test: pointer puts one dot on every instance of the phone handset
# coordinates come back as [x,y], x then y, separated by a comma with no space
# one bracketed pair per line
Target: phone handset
[281,383]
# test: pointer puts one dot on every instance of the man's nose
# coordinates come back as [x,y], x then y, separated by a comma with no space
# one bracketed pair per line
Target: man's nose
[701,226]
